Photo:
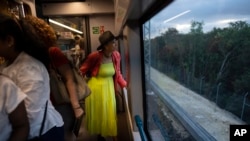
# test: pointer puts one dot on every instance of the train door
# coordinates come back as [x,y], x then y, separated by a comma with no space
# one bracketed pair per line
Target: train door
[90,17]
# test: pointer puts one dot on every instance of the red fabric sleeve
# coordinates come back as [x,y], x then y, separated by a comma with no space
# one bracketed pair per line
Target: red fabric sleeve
[91,64]
[118,76]
[57,57]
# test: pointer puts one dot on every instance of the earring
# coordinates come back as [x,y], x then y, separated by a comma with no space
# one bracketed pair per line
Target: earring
[2,60]
[10,45]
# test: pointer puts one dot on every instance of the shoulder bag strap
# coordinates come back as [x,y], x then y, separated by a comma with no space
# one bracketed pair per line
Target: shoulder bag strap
[44,116]
[52,61]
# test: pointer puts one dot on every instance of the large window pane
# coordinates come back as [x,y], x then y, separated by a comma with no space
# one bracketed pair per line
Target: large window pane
[197,53]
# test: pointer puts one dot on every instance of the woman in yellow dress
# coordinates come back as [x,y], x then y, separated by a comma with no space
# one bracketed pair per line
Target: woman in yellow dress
[103,66]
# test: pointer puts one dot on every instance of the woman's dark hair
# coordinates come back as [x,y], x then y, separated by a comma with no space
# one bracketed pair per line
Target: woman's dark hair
[9,26]
[25,37]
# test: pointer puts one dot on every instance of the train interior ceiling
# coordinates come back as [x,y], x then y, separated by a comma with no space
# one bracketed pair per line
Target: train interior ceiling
[121,11]
[94,16]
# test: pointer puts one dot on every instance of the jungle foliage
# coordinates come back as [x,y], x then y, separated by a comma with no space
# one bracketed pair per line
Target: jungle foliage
[215,64]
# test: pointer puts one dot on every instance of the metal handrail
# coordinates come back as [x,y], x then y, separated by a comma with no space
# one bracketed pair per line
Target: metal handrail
[194,128]
[140,127]
[244,104]
[124,90]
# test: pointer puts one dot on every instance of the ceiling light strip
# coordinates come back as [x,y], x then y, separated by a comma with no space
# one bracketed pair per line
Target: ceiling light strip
[65,26]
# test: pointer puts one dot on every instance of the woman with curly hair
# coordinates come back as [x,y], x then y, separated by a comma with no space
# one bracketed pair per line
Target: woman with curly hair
[72,111]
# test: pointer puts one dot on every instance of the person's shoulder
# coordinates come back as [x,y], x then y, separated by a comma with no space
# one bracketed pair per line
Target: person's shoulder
[7,83]
[4,80]
[94,54]
[25,59]
[116,53]
[53,50]
[9,89]
[27,63]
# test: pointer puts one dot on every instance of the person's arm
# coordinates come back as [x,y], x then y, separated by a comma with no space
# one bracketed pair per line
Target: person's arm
[89,66]
[15,109]
[20,124]
[120,80]
[60,61]
[66,72]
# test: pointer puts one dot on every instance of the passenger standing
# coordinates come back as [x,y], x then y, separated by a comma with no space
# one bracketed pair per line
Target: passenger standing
[30,75]
[76,54]
[100,106]
[14,124]
[78,51]
[72,111]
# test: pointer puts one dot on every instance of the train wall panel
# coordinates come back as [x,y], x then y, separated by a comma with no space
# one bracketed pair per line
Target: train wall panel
[99,24]
[134,75]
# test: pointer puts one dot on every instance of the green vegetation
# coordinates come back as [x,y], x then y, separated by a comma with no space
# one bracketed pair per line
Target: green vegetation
[214,64]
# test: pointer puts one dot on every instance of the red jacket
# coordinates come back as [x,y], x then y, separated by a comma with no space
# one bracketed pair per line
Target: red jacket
[93,63]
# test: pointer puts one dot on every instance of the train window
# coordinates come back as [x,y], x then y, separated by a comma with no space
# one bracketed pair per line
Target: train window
[197,69]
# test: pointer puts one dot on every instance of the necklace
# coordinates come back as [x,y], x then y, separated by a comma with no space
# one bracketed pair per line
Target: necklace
[106,56]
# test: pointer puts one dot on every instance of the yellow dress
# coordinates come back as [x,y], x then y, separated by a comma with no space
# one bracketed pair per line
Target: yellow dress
[100,106]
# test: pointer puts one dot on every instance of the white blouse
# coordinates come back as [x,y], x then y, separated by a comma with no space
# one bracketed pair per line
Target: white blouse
[10,97]
[31,76]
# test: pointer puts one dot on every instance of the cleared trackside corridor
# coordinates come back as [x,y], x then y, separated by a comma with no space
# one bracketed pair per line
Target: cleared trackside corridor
[213,119]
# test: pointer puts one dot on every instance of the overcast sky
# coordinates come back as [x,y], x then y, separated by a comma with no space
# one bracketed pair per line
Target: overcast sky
[213,13]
